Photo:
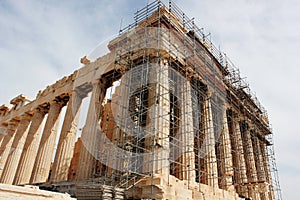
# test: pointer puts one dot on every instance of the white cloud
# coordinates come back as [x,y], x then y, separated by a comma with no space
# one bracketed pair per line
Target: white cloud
[41,41]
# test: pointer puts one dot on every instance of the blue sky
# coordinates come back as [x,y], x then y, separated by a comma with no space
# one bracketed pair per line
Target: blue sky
[42,41]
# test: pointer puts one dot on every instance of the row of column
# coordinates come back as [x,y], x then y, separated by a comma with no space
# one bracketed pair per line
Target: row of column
[184,166]
[217,158]
[27,149]
[250,161]
[25,158]
[241,155]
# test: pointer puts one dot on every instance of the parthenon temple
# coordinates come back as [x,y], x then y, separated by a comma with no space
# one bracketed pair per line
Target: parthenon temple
[166,115]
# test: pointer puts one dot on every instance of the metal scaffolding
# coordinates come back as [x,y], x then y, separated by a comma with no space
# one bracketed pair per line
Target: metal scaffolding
[174,96]
[167,110]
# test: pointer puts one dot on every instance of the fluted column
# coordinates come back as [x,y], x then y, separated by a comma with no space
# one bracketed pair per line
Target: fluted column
[238,157]
[160,119]
[114,119]
[249,155]
[259,163]
[27,159]
[158,125]
[187,128]
[226,167]
[43,160]
[211,168]
[270,192]
[3,132]
[1,138]
[7,142]
[114,135]
[250,162]
[65,148]
[258,160]
[89,148]
[16,150]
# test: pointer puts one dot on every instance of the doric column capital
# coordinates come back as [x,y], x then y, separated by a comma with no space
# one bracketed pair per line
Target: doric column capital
[95,82]
[3,129]
[82,90]
[12,124]
[101,82]
[26,116]
[42,109]
[4,109]
[79,93]
[209,93]
[60,101]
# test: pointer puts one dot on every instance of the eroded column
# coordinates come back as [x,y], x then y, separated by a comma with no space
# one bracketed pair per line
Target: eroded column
[238,157]
[211,168]
[114,119]
[226,168]
[259,163]
[89,137]
[43,160]
[27,159]
[258,160]
[3,132]
[249,156]
[269,187]
[250,161]
[119,131]
[187,128]
[158,126]
[65,148]
[7,142]
[16,150]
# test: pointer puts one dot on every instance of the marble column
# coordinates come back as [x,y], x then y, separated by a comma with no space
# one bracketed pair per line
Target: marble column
[211,168]
[258,159]
[250,162]
[65,148]
[43,159]
[115,119]
[188,136]
[89,149]
[1,138]
[114,135]
[7,142]
[249,155]
[270,191]
[224,148]
[27,159]
[156,154]
[238,157]
[3,132]
[16,150]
